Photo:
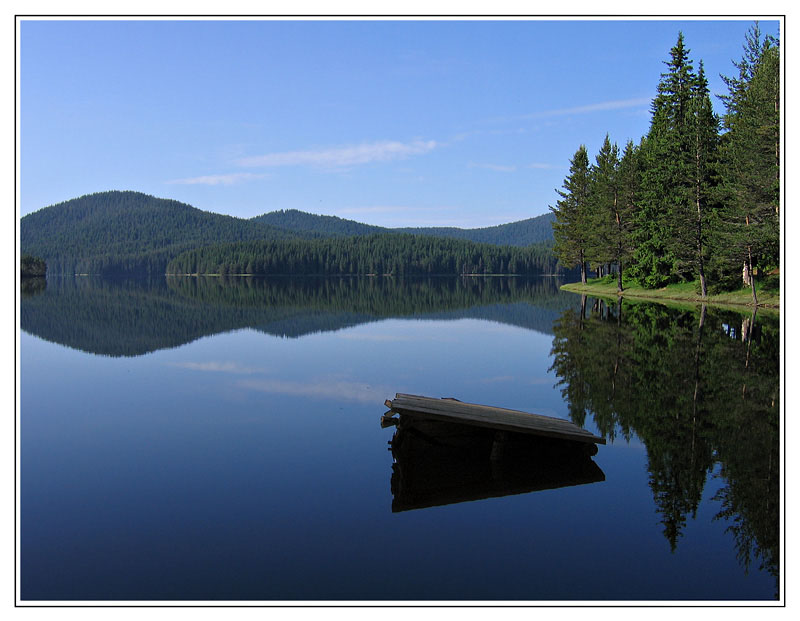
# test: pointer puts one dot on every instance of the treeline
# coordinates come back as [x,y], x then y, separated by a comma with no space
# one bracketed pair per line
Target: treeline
[115,233]
[698,197]
[325,226]
[380,254]
[522,233]
[31,266]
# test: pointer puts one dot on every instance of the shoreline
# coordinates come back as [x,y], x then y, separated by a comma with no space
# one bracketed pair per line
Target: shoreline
[677,293]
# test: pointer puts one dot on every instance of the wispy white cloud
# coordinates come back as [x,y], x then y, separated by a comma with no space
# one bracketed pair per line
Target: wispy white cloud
[543,166]
[227,179]
[321,389]
[340,157]
[494,167]
[218,367]
[616,104]
[376,338]
[498,379]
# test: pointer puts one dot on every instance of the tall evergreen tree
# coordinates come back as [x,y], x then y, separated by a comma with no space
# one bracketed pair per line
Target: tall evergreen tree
[751,158]
[693,215]
[667,172]
[572,228]
[611,216]
[629,192]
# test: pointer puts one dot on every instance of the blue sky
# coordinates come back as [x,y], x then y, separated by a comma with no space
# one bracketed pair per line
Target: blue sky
[396,123]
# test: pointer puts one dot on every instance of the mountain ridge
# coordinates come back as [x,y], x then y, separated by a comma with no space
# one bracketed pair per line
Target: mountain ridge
[537,229]
[129,232]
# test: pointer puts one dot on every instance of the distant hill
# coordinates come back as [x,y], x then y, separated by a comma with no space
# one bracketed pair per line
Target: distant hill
[125,232]
[294,220]
[128,232]
[522,233]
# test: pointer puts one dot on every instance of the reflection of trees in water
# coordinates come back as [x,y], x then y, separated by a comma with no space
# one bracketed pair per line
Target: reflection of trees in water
[700,388]
[133,317]
[32,286]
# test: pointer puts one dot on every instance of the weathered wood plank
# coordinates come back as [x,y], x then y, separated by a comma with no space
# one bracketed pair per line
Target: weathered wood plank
[487,416]
[487,412]
[476,410]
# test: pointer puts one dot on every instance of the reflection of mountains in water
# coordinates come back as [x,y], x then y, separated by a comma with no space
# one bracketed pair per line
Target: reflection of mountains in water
[134,317]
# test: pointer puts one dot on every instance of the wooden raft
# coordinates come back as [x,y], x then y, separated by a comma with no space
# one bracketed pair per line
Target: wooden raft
[515,421]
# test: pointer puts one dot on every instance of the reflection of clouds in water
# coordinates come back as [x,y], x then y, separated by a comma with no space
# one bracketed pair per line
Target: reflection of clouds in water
[388,337]
[381,338]
[497,379]
[320,388]
[533,381]
[218,367]
[327,388]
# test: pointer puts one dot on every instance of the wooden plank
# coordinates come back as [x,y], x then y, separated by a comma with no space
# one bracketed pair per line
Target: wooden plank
[484,411]
[488,413]
[487,416]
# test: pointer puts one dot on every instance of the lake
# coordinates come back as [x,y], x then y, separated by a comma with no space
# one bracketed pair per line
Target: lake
[207,439]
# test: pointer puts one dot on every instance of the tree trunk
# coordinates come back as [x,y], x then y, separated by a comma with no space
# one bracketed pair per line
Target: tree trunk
[750,272]
[703,286]
[619,277]
[699,233]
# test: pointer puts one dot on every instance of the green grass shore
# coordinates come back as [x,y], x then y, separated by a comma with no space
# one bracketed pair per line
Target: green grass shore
[768,292]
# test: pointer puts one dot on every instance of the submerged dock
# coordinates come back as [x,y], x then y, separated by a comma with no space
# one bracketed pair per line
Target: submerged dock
[500,419]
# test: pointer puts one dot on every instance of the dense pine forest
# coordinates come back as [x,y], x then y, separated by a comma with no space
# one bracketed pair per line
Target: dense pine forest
[127,233]
[31,267]
[522,233]
[382,254]
[131,233]
[326,226]
[698,198]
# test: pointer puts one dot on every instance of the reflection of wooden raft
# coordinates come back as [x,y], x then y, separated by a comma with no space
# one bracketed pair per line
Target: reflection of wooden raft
[441,469]
[453,411]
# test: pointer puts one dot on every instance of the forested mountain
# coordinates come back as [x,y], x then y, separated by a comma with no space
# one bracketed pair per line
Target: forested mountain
[390,253]
[522,233]
[127,232]
[294,220]
[133,233]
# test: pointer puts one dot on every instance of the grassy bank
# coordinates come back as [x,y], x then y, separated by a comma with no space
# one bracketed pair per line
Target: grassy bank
[768,292]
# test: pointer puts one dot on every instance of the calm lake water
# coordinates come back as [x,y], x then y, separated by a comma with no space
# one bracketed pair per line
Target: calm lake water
[209,439]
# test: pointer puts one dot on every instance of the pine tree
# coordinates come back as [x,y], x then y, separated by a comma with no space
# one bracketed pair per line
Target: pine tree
[751,159]
[693,214]
[572,228]
[666,187]
[611,228]
[629,192]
